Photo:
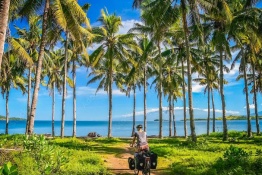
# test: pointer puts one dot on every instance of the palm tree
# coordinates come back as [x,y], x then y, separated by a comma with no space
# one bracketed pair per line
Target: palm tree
[246,39]
[4,13]
[220,18]
[28,9]
[53,70]
[148,52]
[173,79]
[57,8]
[79,57]
[206,68]
[254,90]
[11,74]
[158,17]
[131,74]
[70,17]
[214,84]
[28,42]
[114,48]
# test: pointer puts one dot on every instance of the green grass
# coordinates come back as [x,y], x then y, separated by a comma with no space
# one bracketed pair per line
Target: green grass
[210,155]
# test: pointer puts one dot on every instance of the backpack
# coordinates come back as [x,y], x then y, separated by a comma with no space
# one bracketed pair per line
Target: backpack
[131,163]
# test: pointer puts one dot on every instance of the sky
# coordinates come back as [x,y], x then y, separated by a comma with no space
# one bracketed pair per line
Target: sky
[92,106]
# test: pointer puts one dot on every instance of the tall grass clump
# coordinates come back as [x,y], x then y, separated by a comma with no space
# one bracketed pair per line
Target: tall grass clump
[237,161]
[84,162]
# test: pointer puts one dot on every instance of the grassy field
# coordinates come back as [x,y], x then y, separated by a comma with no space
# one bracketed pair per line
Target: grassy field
[210,155]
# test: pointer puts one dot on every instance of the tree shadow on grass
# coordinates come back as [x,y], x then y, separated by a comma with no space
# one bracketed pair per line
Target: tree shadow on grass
[95,147]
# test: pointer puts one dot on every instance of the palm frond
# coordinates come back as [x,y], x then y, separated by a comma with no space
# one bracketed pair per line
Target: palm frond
[20,51]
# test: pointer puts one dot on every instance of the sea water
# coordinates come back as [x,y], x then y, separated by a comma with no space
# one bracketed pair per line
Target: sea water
[120,128]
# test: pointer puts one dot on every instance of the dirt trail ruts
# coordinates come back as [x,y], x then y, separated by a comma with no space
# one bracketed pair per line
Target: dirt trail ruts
[117,164]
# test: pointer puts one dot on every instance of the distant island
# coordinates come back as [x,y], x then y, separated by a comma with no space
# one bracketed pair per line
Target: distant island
[231,117]
[156,120]
[11,118]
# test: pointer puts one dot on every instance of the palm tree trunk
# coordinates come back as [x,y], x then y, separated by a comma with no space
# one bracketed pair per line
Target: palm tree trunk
[74,99]
[188,56]
[28,99]
[225,132]
[7,112]
[4,13]
[255,98]
[174,117]
[208,110]
[160,93]
[53,110]
[184,99]
[170,115]
[134,111]
[64,88]
[249,131]
[145,88]
[110,95]
[39,68]
[214,111]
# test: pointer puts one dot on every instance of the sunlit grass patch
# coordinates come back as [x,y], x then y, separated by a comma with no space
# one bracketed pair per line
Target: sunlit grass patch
[84,162]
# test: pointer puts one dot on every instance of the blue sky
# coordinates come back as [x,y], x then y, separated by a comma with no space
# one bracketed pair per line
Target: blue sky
[91,106]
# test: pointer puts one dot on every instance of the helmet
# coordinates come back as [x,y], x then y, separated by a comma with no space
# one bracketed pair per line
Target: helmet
[139,126]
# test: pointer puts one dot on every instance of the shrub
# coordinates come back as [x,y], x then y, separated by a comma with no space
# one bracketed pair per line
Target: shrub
[48,159]
[257,165]
[8,169]
[235,161]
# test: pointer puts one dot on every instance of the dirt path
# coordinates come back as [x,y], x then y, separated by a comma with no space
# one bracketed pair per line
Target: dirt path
[118,164]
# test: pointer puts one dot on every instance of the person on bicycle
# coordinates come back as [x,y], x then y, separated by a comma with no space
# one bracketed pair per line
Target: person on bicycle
[141,138]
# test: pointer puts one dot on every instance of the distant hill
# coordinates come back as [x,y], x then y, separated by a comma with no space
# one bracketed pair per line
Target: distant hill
[231,117]
[259,113]
[11,118]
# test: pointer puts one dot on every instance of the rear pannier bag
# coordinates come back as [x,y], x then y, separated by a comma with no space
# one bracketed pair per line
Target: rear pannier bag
[140,161]
[153,158]
[131,163]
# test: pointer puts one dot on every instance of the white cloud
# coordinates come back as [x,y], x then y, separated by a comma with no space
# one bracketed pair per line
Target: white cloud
[252,106]
[195,85]
[87,91]
[127,25]
[139,113]
[93,47]
[154,110]
[197,88]
[233,73]
[227,112]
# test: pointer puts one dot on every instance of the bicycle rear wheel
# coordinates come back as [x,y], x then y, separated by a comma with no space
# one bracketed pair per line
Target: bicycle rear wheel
[136,171]
[146,170]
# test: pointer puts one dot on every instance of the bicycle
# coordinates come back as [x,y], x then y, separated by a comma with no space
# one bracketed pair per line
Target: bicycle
[143,166]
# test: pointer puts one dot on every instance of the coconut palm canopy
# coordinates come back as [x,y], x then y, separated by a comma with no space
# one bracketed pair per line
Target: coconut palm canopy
[196,55]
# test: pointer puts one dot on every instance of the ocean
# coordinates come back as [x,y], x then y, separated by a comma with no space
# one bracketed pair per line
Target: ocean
[120,128]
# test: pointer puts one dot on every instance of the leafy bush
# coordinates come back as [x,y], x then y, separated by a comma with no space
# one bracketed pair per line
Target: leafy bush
[48,159]
[26,164]
[257,165]
[8,169]
[236,156]
[235,161]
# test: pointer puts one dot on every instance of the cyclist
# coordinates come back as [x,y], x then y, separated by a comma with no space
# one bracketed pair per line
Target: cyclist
[141,138]
[141,147]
